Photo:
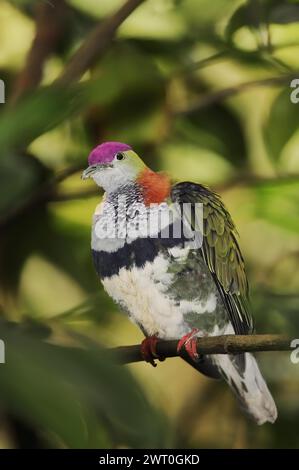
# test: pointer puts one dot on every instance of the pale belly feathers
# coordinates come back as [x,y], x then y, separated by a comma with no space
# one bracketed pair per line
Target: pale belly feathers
[149,296]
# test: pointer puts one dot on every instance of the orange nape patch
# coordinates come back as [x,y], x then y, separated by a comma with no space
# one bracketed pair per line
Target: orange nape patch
[155,186]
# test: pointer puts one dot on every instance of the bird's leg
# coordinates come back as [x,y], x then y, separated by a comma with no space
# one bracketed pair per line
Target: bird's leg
[188,345]
[148,350]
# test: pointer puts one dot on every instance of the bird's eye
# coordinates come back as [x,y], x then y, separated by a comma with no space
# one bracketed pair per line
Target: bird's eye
[119,156]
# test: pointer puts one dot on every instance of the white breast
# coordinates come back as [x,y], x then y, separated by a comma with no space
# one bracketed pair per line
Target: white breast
[142,293]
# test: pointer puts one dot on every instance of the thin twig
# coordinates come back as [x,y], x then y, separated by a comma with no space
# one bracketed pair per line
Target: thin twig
[256,181]
[247,181]
[96,44]
[44,193]
[227,344]
[221,95]
[70,196]
[201,63]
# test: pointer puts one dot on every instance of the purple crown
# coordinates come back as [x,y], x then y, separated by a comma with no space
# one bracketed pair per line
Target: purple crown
[105,152]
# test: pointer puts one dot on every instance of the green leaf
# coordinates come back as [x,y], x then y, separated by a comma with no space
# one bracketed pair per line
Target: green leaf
[284,14]
[44,109]
[143,123]
[248,14]
[255,12]
[216,128]
[19,176]
[277,309]
[72,392]
[34,115]
[282,123]
[278,203]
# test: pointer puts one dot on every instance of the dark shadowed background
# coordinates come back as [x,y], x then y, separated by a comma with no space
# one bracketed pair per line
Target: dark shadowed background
[200,89]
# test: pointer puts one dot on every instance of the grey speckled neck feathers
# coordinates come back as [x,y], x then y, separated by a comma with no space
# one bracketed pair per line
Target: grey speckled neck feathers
[128,194]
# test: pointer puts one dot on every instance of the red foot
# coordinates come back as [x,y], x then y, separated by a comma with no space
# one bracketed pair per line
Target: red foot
[187,344]
[148,350]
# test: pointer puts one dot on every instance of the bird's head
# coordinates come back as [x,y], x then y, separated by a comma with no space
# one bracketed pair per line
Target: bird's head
[112,165]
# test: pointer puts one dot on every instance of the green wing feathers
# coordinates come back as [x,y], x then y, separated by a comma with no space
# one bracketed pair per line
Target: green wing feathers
[221,252]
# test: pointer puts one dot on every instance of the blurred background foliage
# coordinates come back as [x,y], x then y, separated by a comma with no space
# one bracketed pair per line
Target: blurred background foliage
[201,89]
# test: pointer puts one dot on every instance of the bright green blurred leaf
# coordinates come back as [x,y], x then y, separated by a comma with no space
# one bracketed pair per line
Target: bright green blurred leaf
[282,123]
[31,117]
[279,204]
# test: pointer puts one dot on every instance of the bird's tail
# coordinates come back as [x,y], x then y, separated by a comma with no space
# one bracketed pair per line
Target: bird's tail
[242,374]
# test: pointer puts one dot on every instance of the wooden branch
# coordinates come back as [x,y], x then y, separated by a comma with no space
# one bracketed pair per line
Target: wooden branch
[96,44]
[227,344]
[50,25]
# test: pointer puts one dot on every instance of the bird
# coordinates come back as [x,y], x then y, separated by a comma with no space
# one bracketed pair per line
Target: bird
[177,273]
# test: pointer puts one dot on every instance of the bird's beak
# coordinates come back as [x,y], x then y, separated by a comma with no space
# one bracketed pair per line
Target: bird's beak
[93,169]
